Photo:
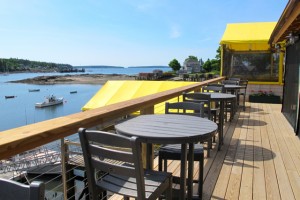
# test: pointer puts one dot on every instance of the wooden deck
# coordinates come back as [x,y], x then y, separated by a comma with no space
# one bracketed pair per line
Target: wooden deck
[260,158]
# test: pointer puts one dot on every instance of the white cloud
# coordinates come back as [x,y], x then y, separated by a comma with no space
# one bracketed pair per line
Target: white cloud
[175,32]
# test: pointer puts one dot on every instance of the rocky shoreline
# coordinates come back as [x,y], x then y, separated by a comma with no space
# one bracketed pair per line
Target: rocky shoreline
[75,79]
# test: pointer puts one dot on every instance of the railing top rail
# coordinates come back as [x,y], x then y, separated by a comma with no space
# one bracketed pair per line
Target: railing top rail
[27,137]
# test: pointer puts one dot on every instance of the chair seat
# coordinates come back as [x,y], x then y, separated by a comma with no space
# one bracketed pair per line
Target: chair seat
[126,186]
[173,151]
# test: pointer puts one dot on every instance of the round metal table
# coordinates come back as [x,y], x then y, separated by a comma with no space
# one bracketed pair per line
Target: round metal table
[170,129]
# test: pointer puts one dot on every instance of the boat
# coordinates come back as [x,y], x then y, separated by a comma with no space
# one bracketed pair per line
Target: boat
[10,97]
[34,90]
[50,100]
[73,92]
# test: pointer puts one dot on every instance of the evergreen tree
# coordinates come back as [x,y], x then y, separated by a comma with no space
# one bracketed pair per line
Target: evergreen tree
[207,65]
[175,65]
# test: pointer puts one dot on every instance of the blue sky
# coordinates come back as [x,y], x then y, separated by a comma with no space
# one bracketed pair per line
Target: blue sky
[123,32]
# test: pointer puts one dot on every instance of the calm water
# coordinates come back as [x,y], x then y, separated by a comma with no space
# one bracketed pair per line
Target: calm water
[20,111]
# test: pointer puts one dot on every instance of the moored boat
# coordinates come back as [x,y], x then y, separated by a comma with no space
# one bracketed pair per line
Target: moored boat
[50,100]
[33,90]
[10,97]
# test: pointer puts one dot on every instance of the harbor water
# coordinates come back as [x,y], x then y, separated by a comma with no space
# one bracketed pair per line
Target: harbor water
[20,111]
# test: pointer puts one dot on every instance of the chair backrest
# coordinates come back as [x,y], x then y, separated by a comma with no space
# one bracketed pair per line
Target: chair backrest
[243,82]
[13,190]
[111,154]
[198,97]
[234,79]
[230,82]
[213,88]
[185,108]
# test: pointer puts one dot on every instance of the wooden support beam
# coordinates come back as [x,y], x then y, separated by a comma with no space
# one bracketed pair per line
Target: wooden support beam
[286,23]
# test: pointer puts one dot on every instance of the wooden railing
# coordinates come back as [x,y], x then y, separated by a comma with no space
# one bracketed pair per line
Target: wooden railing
[17,140]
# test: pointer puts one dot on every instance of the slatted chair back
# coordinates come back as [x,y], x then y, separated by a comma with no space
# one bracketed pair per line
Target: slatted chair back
[185,108]
[198,97]
[112,154]
[12,190]
[230,82]
[213,88]
[234,79]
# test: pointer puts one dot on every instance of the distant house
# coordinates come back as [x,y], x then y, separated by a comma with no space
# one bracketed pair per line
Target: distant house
[192,66]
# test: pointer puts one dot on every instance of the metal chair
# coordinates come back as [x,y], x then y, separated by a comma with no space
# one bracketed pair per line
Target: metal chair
[119,160]
[198,97]
[173,152]
[12,190]
[214,88]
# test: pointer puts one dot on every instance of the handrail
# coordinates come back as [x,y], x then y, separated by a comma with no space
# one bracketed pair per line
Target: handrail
[17,140]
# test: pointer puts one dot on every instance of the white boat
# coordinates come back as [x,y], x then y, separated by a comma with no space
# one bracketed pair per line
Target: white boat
[50,101]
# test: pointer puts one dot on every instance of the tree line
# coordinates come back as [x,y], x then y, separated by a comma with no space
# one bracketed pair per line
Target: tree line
[21,65]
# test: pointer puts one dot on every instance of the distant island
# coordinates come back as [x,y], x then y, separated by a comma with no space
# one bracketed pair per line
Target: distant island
[108,66]
[15,65]
[149,67]
[97,66]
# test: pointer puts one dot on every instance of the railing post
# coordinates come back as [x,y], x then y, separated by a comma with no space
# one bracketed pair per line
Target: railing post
[147,149]
[63,167]
[67,173]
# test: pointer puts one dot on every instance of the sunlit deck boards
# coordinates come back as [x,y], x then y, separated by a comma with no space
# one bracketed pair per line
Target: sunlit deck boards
[260,158]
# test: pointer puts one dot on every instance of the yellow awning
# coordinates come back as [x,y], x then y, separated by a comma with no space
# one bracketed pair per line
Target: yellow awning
[248,36]
[118,91]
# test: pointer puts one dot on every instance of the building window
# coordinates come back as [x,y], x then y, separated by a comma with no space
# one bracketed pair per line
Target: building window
[254,66]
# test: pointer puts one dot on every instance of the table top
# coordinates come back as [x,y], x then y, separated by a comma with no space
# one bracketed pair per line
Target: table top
[220,96]
[168,129]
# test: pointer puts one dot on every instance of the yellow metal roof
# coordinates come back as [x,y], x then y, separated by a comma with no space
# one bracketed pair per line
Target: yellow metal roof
[248,36]
[118,91]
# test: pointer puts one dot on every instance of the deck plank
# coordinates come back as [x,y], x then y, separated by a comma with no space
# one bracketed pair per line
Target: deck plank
[214,170]
[259,189]
[272,190]
[247,175]
[233,188]
[282,177]
[219,191]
